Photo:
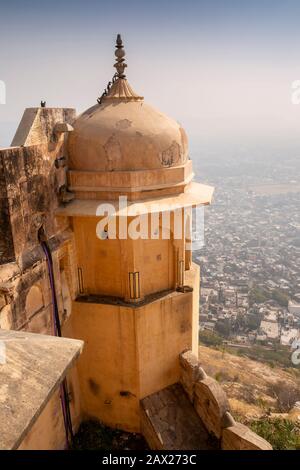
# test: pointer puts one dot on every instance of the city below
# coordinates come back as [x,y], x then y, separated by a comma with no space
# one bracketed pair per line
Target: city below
[250,264]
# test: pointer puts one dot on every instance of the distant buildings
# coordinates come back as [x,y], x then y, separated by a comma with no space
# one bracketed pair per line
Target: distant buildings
[250,264]
[294,308]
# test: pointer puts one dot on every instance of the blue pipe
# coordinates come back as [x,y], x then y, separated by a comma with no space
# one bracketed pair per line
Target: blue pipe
[57,332]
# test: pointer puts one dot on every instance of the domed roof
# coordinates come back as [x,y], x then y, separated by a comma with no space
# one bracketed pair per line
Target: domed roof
[126,136]
[123,133]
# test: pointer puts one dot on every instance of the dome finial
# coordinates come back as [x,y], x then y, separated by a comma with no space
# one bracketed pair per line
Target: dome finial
[119,88]
[120,64]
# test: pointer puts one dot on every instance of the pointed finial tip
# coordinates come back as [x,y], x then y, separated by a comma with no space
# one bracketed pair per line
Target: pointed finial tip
[120,54]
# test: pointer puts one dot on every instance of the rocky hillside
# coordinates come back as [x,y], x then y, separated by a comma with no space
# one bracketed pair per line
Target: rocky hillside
[263,396]
[254,389]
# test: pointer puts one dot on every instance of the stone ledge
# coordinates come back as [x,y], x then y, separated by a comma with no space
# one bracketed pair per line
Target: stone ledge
[170,422]
[31,368]
[239,437]
[190,372]
[211,404]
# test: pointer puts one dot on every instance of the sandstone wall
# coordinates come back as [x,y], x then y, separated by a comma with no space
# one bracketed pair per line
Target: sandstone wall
[130,352]
[32,177]
[30,182]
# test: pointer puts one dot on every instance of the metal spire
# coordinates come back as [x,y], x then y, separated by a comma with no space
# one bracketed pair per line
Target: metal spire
[120,64]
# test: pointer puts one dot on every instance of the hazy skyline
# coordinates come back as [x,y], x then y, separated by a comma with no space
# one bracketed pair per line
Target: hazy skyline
[221,68]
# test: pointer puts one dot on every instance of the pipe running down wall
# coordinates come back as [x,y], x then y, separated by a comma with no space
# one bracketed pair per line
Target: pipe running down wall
[64,396]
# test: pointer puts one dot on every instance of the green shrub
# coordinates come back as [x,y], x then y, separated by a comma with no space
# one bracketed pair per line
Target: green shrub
[258,295]
[210,338]
[281,297]
[286,395]
[282,434]
[222,376]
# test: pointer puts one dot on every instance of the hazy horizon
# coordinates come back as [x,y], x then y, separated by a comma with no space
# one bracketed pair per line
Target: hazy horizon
[224,70]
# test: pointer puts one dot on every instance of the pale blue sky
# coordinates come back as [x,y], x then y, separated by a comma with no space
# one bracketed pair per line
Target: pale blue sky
[221,67]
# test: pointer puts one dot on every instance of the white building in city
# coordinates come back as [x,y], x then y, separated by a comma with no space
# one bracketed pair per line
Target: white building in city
[294,308]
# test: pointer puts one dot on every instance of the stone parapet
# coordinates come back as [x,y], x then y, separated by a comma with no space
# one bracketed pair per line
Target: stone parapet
[212,406]
[211,403]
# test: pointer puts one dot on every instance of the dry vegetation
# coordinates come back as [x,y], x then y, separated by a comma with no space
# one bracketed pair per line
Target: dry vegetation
[254,389]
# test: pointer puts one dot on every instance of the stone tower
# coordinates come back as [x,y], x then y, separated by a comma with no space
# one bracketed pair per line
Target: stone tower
[138,300]
[95,244]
